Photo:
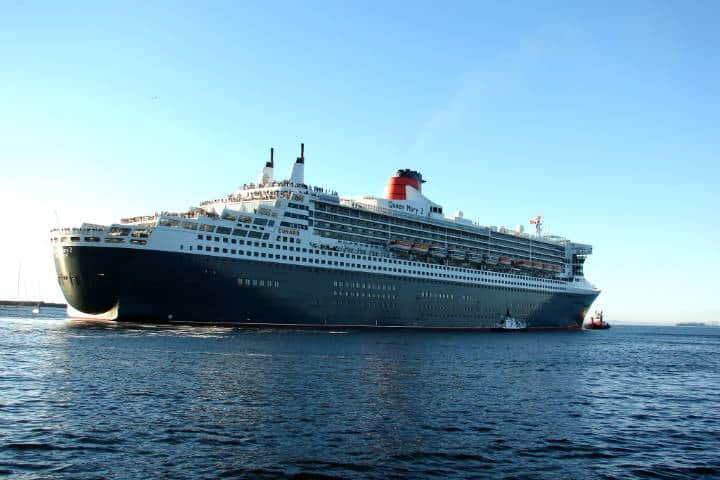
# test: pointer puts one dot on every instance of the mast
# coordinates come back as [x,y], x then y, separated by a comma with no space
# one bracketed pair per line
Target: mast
[18,279]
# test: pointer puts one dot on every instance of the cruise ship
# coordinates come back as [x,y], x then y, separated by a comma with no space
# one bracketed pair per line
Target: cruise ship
[285,253]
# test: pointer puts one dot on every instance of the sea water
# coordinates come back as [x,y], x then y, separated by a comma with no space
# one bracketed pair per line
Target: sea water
[107,400]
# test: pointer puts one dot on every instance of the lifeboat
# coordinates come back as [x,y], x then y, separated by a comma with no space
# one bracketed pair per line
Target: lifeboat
[420,248]
[457,255]
[491,260]
[438,252]
[400,246]
[537,265]
[505,261]
[522,264]
[473,258]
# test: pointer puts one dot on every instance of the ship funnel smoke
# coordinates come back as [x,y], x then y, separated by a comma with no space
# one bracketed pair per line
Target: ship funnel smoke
[297,174]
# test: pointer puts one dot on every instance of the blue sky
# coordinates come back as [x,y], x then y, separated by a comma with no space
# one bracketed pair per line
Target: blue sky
[602,116]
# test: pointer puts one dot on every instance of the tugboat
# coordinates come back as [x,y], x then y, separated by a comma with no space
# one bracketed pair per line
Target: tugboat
[596,322]
[509,323]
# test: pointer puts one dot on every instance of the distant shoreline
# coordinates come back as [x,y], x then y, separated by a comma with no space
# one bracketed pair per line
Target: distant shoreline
[30,303]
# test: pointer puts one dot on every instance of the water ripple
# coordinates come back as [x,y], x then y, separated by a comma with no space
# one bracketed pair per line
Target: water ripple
[87,400]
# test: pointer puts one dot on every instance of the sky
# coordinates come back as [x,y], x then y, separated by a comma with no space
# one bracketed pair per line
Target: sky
[604,117]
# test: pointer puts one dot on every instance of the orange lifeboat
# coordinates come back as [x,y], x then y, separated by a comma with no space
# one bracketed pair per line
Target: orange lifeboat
[420,248]
[505,261]
[400,246]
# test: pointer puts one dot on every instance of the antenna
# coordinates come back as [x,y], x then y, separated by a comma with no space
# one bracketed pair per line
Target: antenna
[18,285]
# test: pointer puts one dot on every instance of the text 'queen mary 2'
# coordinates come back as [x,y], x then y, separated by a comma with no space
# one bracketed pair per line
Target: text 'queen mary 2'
[287,253]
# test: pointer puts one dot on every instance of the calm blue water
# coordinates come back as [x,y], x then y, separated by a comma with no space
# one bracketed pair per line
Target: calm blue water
[89,400]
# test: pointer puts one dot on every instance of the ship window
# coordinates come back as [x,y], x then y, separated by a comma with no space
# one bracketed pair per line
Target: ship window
[225,240]
[216,249]
[206,228]
[200,237]
[232,251]
[232,240]
[254,234]
[263,254]
[208,237]
[256,254]
[224,250]
[207,249]
[239,232]
[217,239]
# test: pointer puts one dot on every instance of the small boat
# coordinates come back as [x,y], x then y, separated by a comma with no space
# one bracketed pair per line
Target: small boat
[420,248]
[399,246]
[509,323]
[505,261]
[596,322]
[457,255]
[473,258]
[438,252]
[491,260]
[36,309]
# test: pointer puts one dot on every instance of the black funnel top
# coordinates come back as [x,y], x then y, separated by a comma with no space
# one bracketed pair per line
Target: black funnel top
[407,173]
[301,158]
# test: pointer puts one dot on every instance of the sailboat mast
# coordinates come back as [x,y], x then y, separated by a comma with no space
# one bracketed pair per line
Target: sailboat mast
[18,281]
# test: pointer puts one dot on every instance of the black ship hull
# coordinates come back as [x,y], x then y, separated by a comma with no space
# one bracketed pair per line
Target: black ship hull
[154,286]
